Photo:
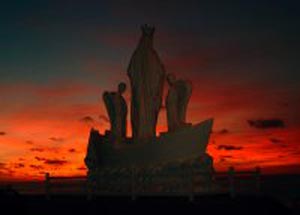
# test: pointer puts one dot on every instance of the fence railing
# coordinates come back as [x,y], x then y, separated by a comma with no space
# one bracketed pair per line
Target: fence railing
[66,185]
[239,181]
[232,182]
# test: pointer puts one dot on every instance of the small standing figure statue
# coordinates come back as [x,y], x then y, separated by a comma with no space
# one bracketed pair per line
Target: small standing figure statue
[176,102]
[117,111]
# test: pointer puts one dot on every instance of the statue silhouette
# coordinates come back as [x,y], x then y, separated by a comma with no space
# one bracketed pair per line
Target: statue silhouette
[91,159]
[169,152]
[117,111]
[176,102]
[146,73]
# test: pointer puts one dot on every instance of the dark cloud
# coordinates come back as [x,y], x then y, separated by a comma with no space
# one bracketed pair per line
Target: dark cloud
[39,158]
[222,160]
[29,142]
[103,118]
[81,168]
[275,140]
[37,167]
[36,149]
[295,153]
[266,123]
[72,150]
[19,165]
[9,171]
[229,147]
[226,156]
[4,169]
[2,165]
[87,119]
[2,133]
[222,131]
[55,162]
[56,139]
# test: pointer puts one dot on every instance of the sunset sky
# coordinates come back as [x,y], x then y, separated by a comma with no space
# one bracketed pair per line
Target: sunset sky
[58,57]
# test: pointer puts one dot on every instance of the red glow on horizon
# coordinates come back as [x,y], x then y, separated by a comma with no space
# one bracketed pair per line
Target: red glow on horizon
[50,134]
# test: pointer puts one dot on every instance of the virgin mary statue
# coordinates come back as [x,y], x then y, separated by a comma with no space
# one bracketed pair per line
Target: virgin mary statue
[147,74]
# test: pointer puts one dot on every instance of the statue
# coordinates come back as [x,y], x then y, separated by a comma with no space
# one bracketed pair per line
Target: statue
[113,156]
[91,159]
[117,111]
[146,73]
[176,102]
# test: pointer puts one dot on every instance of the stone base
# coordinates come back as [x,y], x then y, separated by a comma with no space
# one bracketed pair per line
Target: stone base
[178,177]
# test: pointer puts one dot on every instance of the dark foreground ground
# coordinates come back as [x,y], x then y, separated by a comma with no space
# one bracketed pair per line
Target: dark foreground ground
[280,194]
[217,204]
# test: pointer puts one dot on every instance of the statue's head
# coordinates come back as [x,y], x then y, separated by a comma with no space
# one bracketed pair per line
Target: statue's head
[121,87]
[171,78]
[147,30]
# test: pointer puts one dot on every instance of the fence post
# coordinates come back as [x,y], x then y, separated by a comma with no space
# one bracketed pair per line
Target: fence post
[257,180]
[133,194]
[47,185]
[191,197]
[231,173]
[89,186]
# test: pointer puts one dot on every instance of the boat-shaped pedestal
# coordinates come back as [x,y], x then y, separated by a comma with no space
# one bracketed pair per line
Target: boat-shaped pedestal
[170,158]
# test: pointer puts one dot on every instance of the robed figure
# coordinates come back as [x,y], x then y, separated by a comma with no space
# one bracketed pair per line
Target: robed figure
[177,100]
[117,111]
[146,73]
